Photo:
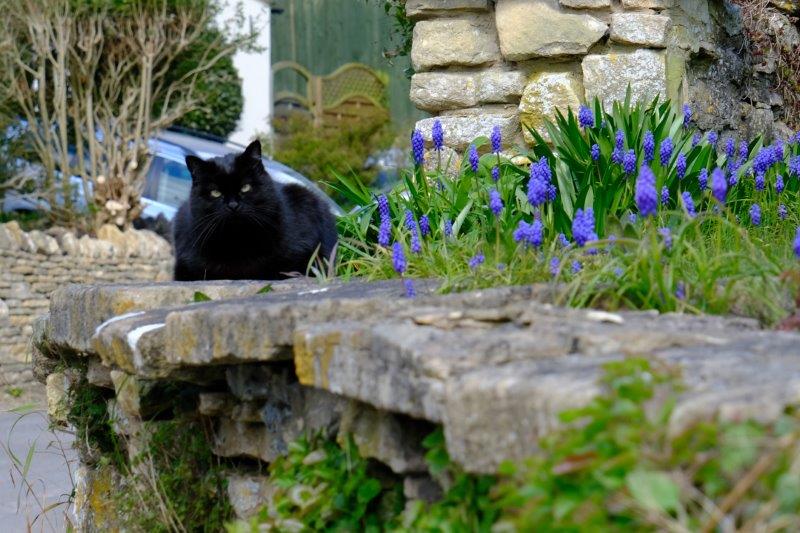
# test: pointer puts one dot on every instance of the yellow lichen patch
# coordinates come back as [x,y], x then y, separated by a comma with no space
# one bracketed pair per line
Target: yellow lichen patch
[313,355]
[101,499]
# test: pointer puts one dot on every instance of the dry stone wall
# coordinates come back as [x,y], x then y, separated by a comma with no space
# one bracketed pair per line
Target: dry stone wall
[492,367]
[34,264]
[513,63]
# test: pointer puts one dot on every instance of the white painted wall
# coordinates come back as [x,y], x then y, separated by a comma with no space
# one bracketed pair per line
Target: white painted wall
[255,69]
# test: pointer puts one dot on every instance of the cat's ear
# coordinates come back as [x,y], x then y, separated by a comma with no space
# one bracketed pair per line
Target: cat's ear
[195,165]
[253,151]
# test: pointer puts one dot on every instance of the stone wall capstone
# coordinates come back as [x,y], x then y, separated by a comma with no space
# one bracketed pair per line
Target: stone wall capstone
[33,264]
[513,63]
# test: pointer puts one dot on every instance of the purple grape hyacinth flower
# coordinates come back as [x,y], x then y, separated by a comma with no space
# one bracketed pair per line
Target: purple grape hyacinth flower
[424,225]
[664,195]
[796,246]
[399,258]
[410,291]
[529,234]
[562,240]
[473,157]
[552,192]
[760,182]
[495,174]
[666,234]
[583,226]
[649,147]
[477,260]
[416,245]
[385,229]
[448,228]
[595,152]
[437,134]
[576,266]
[497,139]
[585,117]
[537,188]
[632,218]
[755,214]
[629,162]
[418,147]
[713,137]
[743,149]
[410,223]
[730,147]
[680,166]
[495,202]
[779,185]
[702,179]
[794,166]
[687,115]
[619,148]
[688,204]
[782,212]
[680,291]
[554,265]
[719,185]
[645,194]
[696,138]
[665,152]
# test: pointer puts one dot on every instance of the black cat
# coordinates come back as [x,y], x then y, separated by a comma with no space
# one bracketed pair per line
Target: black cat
[240,224]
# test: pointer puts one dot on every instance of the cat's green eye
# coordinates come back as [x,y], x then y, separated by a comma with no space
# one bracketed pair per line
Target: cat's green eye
[246,187]
[215,194]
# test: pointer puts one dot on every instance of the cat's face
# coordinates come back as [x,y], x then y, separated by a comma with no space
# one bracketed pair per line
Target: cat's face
[234,187]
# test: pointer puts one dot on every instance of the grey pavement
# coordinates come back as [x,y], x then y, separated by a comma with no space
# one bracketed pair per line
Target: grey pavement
[47,484]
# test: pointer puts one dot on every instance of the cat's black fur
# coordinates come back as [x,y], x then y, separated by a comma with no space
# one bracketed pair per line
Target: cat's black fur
[265,232]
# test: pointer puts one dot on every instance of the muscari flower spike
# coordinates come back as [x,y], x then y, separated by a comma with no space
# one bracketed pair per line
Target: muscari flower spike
[760,182]
[424,225]
[649,147]
[585,117]
[713,137]
[583,226]
[680,291]
[473,157]
[666,234]
[495,202]
[537,187]
[743,149]
[730,147]
[664,195]
[782,212]
[719,186]
[688,204]
[687,115]
[645,194]
[497,139]
[529,234]
[562,240]
[437,134]
[755,214]
[665,152]
[448,228]
[595,152]
[576,266]
[796,245]
[680,166]
[418,147]
[794,166]
[702,179]
[696,138]
[399,258]
[629,162]
[495,174]
[554,264]
[477,260]
[779,185]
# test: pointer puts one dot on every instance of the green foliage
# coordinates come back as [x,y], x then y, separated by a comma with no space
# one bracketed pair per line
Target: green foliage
[616,467]
[720,260]
[322,154]
[321,486]
[403,29]
[199,296]
[88,414]
[177,483]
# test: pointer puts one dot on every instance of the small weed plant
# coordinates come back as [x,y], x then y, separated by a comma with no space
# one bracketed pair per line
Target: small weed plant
[628,207]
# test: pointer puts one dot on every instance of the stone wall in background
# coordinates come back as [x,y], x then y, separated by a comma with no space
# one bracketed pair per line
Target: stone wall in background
[493,368]
[482,63]
[34,264]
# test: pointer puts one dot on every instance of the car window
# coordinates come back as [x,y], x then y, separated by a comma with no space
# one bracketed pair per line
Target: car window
[174,183]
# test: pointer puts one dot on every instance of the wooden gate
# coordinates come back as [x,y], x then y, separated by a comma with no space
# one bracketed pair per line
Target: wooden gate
[353,92]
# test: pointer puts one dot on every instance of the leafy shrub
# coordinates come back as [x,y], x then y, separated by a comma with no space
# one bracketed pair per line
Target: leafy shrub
[320,486]
[321,154]
[576,215]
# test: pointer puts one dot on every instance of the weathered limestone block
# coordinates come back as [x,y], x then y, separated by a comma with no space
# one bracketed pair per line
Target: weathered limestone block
[45,244]
[469,40]
[248,494]
[392,439]
[215,403]
[640,28]
[464,126]
[421,488]
[98,374]
[789,6]
[586,4]
[435,91]
[646,4]
[129,392]
[539,28]
[500,86]
[68,243]
[7,241]
[608,76]
[447,160]
[57,389]
[77,311]
[546,93]
[416,9]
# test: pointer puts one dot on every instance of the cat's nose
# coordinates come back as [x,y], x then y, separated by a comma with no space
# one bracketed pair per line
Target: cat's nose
[233,205]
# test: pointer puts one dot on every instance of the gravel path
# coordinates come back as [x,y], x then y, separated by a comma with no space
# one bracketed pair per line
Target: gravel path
[48,479]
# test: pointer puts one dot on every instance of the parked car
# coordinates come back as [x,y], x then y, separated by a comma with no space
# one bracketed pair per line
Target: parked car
[168,181]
